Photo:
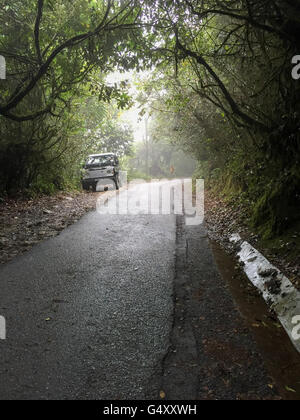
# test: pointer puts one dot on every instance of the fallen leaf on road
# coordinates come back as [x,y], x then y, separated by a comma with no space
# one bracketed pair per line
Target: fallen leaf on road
[162,395]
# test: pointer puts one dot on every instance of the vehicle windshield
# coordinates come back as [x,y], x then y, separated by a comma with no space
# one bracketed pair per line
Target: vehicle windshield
[101,161]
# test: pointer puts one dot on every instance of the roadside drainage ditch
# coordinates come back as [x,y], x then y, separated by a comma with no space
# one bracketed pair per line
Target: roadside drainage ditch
[279,353]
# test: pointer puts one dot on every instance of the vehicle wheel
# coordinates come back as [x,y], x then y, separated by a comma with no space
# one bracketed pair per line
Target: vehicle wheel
[95,188]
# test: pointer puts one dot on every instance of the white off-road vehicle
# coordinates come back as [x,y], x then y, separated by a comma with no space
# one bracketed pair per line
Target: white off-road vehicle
[99,168]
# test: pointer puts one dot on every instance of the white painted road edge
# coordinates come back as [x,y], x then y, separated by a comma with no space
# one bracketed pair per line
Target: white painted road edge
[285,304]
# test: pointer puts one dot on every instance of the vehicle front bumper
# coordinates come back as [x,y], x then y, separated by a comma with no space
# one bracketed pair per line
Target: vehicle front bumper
[91,182]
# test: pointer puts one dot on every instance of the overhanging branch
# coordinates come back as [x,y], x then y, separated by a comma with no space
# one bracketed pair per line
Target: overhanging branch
[233,105]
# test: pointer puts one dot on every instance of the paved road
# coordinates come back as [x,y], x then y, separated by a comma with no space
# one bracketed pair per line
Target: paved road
[112,309]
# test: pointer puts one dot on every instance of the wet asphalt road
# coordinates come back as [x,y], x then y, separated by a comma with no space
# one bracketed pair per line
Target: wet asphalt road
[112,309]
[89,313]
